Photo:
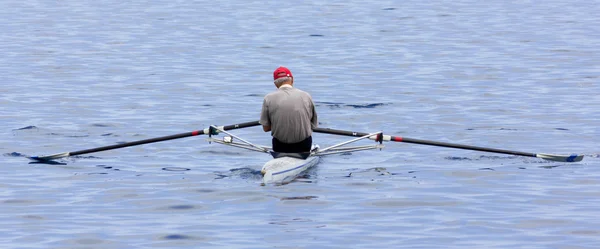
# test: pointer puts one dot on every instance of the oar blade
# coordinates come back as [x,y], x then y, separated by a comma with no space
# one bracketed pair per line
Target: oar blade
[49,157]
[561,158]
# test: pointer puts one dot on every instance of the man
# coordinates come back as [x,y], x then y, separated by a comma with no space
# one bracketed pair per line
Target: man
[289,114]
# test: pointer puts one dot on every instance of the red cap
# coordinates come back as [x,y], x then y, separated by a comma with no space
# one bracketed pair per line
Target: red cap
[281,72]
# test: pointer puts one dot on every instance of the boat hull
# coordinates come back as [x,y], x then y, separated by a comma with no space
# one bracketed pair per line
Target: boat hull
[285,169]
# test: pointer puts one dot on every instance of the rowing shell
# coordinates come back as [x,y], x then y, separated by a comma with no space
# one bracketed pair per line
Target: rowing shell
[285,169]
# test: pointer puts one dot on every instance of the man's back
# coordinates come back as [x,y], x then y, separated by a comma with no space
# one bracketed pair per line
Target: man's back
[291,114]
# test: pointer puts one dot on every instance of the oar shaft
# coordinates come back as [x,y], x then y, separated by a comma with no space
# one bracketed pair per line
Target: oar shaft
[134,143]
[461,146]
[425,142]
[159,139]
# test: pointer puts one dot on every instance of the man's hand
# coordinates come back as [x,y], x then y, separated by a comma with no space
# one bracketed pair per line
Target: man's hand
[266,128]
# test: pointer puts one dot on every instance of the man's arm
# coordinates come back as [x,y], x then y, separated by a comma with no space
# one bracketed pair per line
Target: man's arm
[265,121]
[314,122]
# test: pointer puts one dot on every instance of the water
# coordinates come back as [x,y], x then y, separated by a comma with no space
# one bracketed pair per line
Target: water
[510,75]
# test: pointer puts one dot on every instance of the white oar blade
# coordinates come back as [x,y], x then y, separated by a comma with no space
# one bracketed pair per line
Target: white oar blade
[50,157]
[560,158]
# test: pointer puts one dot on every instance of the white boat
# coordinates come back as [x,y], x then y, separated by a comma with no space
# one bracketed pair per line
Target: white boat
[285,167]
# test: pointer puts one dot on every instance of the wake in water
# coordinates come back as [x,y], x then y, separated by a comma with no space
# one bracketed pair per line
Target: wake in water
[240,173]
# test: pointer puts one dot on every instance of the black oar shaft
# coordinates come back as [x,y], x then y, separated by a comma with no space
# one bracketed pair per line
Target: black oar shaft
[461,146]
[159,139]
[340,132]
[425,142]
[134,143]
[241,125]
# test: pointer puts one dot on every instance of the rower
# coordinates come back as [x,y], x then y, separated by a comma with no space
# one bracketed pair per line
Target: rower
[289,114]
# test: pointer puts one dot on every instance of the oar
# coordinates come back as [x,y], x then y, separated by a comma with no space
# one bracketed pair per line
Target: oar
[558,158]
[145,141]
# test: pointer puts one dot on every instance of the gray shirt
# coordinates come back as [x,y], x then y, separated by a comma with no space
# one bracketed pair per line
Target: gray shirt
[291,114]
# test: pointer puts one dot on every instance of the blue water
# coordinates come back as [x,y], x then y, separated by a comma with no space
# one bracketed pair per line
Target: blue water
[520,75]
